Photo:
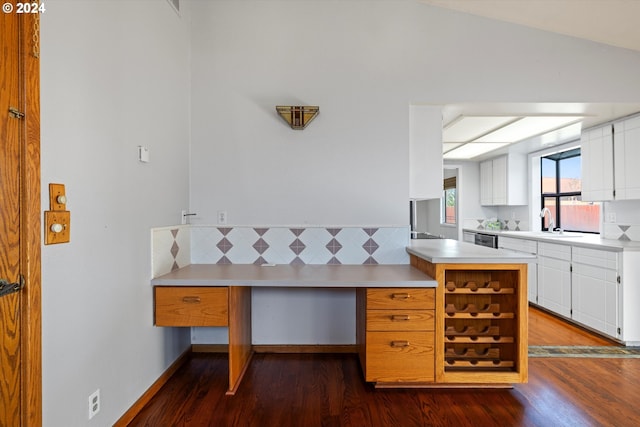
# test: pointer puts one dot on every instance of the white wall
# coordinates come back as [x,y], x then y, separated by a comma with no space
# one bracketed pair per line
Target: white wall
[115,75]
[363,63]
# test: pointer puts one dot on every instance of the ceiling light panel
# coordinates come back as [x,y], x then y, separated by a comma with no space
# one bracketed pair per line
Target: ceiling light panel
[471,150]
[448,146]
[468,128]
[528,127]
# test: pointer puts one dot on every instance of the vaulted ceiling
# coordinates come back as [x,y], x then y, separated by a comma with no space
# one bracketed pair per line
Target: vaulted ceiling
[612,22]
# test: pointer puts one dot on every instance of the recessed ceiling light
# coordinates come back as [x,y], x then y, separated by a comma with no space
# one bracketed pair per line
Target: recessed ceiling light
[528,127]
[473,149]
[468,128]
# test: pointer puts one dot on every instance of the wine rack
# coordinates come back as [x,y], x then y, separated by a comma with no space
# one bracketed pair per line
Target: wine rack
[480,320]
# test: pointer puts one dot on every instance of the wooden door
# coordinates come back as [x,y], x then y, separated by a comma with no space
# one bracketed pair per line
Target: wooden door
[20,354]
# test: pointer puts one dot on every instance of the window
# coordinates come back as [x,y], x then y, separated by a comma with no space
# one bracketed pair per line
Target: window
[449,202]
[561,184]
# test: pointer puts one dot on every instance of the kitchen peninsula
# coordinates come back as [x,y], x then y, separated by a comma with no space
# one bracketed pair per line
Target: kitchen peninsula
[455,316]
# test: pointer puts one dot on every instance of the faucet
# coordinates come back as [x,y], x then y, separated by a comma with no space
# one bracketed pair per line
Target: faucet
[543,212]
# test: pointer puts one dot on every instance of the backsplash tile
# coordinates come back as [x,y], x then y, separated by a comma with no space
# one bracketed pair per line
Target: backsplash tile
[171,249]
[622,232]
[175,247]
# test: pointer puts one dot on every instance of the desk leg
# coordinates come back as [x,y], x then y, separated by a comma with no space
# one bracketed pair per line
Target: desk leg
[240,350]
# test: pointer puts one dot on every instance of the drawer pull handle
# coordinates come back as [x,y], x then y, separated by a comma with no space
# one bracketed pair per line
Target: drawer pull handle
[399,344]
[400,296]
[191,300]
[400,317]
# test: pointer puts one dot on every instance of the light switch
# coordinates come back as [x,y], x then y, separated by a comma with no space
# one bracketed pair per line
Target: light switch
[57,220]
[57,227]
[143,154]
[57,197]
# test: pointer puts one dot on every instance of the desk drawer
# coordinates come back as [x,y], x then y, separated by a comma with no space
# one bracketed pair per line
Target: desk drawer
[191,306]
[400,357]
[392,298]
[400,320]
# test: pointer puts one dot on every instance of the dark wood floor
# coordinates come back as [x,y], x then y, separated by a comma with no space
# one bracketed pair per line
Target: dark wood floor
[328,390]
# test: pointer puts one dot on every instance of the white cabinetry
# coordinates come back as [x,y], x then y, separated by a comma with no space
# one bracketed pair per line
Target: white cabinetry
[425,152]
[529,247]
[554,277]
[609,161]
[503,180]
[595,290]
[626,139]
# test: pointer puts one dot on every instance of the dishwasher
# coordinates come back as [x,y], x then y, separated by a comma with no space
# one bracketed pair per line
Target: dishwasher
[488,240]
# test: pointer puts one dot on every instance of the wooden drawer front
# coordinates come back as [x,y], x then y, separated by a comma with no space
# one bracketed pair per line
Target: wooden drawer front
[191,306]
[400,357]
[400,320]
[390,298]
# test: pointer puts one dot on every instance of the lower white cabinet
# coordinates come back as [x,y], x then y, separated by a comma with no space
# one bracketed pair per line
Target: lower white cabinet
[529,247]
[554,278]
[595,290]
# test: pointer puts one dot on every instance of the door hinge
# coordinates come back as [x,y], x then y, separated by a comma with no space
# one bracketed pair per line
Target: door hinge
[618,280]
[15,113]
[571,268]
[614,193]
[619,331]
[7,288]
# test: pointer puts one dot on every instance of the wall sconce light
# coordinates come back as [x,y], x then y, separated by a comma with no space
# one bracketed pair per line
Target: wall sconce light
[298,116]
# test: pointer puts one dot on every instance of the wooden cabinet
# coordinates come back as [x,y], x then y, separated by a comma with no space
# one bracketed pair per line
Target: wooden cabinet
[503,180]
[529,247]
[481,322]
[554,277]
[191,306]
[484,324]
[396,334]
[609,154]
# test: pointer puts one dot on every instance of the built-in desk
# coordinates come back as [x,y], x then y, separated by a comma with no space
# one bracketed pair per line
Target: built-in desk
[220,295]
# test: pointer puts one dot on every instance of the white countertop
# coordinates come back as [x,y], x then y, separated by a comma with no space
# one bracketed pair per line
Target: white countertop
[585,240]
[446,251]
[312,276]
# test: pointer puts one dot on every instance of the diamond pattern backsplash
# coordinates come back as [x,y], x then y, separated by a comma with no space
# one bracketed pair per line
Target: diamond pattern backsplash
[175,247]
[310,245]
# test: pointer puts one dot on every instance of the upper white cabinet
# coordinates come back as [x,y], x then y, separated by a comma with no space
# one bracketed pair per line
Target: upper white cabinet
[609,155]
[503,180]
[596,150]
[626,139]
[425,152]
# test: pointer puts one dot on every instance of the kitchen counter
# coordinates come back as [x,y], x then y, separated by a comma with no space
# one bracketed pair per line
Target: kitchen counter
[446,251]
[585,240]
[312,276]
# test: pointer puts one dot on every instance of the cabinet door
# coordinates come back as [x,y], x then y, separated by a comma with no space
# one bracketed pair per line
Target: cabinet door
[499,174]
[486,183]
[554,285]
[627,152]
[595,298]
[595,290]
[597,164]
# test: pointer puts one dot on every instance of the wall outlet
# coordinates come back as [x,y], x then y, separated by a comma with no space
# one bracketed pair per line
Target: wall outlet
[222,217]
[611,217]
[94,403]
[183,217]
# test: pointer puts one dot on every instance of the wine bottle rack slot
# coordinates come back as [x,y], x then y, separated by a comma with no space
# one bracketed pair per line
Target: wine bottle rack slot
[472,287]
[471,334]
[473,353]
[470,310]
[454,363]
